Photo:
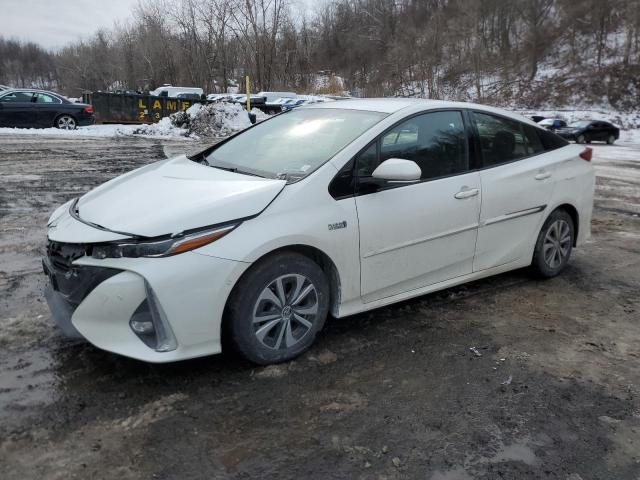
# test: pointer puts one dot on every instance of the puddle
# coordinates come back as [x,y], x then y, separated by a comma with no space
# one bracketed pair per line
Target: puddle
[516,452]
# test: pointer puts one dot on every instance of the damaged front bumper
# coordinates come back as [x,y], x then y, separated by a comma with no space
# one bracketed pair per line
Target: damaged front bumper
[151,309]
[69,285]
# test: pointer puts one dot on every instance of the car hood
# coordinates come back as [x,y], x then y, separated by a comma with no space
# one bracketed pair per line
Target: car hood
[174,195]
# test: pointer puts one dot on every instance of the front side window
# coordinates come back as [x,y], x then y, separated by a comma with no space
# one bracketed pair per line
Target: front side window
[435,141]
[293,144]
[17,97]
[501,139]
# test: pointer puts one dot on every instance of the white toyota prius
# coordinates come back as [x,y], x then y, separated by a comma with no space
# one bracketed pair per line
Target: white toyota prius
[334,208]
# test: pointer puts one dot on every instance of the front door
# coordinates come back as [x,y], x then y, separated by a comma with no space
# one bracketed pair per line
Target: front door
[415,235]
[17,109]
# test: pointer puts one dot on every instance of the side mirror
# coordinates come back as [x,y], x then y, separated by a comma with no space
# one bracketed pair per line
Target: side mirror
[397,170]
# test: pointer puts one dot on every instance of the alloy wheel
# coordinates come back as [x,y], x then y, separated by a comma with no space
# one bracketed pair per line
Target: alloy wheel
[285,311]
[557,243]
[66,123]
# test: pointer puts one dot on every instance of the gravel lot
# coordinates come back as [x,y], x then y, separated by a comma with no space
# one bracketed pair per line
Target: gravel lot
[553,392]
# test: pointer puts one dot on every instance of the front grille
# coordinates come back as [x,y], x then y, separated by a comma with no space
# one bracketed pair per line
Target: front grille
[62,255]
[73,282]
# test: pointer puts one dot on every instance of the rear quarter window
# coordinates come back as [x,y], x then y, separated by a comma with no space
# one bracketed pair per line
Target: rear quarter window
[550,141]
[534,144]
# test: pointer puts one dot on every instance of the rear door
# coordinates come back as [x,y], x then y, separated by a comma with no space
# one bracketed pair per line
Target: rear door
[48,108]
[517,182]
[418,234]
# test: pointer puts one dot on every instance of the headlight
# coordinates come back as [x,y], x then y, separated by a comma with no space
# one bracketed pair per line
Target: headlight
[160,248]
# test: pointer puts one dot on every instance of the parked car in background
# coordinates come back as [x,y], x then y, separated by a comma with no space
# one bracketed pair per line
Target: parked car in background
[28,108]
[337,207]
[190,96]
[537,118]
[271,97]
[586,131]
[552,123]
[293,103]
[173,92]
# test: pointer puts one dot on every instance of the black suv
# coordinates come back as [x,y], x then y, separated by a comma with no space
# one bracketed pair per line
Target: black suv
[585,131]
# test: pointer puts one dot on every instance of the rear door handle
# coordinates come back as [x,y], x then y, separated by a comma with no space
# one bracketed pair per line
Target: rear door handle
[466,192]
[542,175]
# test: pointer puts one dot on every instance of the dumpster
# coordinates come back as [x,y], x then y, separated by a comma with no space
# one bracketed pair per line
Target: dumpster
[133,108]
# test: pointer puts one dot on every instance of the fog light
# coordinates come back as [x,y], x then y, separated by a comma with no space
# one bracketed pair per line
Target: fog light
[143,328]
[150,324]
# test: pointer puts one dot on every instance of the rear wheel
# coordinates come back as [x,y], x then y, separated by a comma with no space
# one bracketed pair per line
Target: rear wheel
[65,122]
[554,245]
[278,307]
[611,139]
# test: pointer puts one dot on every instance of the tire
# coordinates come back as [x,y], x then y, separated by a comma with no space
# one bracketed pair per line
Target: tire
[554,245]
[610,139]
[65,122]
[580,139]
[277,308]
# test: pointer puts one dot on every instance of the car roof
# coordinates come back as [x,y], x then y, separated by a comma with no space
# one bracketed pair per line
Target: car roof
[393,105]
[31,90]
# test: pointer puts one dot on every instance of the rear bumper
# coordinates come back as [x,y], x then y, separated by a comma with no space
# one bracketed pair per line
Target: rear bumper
[86,120]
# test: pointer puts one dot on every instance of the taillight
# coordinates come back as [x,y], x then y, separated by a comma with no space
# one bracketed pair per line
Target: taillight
[88,109]
[586,154]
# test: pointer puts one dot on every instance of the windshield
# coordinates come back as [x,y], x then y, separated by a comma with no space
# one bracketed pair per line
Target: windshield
[547,121]
[580,124]
[293,144]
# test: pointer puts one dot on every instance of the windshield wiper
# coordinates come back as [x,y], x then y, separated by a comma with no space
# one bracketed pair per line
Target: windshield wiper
[234,170]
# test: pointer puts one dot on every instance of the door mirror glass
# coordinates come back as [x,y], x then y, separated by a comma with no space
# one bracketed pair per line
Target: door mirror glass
[398,170]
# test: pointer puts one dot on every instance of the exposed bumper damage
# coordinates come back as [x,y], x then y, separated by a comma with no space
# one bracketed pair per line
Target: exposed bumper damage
[152,309]
[69,284]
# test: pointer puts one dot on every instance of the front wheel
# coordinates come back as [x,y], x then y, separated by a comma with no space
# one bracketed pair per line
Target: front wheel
[554,244]
[610,140]
[65,122]
[580,139]
[278,307]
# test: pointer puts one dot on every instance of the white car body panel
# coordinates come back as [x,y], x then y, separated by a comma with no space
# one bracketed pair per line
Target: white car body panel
[383,247]
[417,235]
[186,289]
[189,194]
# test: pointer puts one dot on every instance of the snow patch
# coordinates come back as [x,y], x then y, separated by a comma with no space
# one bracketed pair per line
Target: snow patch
[213,120]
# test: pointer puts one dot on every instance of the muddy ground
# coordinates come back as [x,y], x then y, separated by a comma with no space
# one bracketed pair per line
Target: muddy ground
[553,392]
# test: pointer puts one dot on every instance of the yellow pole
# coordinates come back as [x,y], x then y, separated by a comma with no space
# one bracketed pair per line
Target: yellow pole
[248,94]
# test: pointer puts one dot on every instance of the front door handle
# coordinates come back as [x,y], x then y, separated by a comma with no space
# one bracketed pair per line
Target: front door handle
[542,175]
[466,192]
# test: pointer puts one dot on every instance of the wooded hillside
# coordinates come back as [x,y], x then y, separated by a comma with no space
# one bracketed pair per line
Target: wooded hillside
[524,52]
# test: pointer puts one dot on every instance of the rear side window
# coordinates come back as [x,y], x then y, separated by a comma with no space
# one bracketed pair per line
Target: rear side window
[44,98]
[534,145]
[551,141]
[501,139]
